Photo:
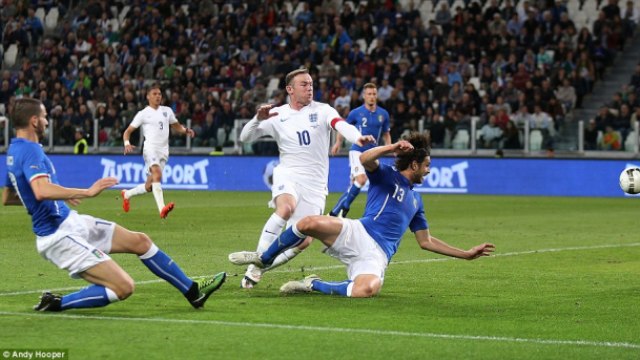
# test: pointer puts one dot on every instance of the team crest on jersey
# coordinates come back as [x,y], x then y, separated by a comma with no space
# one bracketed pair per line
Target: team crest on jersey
[9,160]
[415,203]
[164,113]
[313,119]
[380,118]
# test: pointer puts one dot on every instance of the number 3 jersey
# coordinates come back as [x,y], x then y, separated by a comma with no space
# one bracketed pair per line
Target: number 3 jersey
[155,126]
[391,207]
[303,139]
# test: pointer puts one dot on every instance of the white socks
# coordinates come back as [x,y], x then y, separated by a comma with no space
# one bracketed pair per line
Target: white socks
[270,232]
[138,190]
[156,189]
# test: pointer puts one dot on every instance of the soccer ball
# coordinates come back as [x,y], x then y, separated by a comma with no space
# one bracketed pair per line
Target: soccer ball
[630,180]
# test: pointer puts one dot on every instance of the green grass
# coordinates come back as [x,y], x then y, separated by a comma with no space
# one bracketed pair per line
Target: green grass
[564,284]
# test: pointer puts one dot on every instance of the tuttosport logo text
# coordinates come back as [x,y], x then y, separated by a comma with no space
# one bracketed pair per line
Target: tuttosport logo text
[178,176]
[446,179]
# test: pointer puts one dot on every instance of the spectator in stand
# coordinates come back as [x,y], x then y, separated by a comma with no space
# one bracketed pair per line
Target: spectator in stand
[566,94]
[490,134]
[610,139]
[511,136]
[591,135]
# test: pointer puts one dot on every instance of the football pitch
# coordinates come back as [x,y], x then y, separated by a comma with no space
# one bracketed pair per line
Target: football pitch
[564,283]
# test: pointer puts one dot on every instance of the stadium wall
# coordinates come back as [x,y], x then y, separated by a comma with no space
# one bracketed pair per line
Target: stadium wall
[544,177]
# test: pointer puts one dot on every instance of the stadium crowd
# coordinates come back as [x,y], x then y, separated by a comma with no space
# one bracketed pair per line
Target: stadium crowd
[502,62]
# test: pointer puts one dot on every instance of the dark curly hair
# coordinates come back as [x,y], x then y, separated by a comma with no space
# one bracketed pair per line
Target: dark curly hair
[421,149]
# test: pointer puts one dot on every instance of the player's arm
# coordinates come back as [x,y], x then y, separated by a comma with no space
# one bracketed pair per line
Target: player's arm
[183,130]
[369,158]
[386,138]
[433,244]
[251,131]
[335,149]
[10,196]
[351,133]
[43,189]
[128,148]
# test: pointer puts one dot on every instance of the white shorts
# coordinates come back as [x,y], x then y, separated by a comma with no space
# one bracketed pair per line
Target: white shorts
[81,242]
[355,248]
[153,156]
[308,202]
[355,164]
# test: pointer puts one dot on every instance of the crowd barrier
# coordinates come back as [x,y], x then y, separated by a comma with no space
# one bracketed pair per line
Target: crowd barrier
[540,177]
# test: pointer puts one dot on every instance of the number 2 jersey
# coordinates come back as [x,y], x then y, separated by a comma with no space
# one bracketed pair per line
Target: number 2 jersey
[374,123]
[303,139]
[392,207]
[26,161]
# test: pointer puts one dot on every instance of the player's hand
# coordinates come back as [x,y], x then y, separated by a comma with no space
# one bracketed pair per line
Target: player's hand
[402,147]
[263,112]
[365,139]
[74,202]
[335,149]
[128,149]
[101,185]
[189,132]
[481,250]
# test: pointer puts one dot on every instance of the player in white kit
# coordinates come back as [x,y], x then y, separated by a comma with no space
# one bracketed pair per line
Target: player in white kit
[155,120]
[302,129]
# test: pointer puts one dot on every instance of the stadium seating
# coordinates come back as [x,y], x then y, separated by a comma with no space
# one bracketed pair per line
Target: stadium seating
[461,140]
[630,142]
[11,55]
[535,140]
[51,19]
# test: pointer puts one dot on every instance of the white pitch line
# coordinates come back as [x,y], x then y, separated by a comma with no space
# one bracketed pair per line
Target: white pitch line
[608,344]
[331,267]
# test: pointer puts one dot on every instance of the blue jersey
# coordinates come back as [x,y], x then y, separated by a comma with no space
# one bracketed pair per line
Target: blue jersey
[374,123]
[392,206]
[26,161]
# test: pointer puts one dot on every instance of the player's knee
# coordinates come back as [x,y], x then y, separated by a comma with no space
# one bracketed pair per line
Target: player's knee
[142,243]
[285,211]
[361,180]
[306,224]
[124,288]
[365,289]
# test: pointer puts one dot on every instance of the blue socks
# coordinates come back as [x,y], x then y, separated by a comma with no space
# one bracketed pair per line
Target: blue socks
[165,268]
[89,297]
[287,239]
[332,288]
[345,201]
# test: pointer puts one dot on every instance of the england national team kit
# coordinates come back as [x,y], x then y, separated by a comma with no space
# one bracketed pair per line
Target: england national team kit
[303,141]
[155,125]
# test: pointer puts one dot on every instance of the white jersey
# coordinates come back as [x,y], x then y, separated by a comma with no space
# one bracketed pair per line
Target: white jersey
[303,139]
[155,126]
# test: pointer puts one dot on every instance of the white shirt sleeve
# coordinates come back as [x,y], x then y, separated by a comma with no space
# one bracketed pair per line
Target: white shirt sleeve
[137,120]
[349,131]
[254,130]
[172,116]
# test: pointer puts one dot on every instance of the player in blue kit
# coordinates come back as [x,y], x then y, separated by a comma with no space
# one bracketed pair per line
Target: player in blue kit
[366,245]
[78,243]
[372,120]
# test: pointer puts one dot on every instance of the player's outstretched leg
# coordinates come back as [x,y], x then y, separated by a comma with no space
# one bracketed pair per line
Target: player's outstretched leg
[128,194]
[196,292]
[88,297]
[272,228]
[344,203]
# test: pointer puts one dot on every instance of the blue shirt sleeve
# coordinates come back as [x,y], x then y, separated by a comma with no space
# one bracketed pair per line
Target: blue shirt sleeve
[419,221]
[352,118]
[34,165]
[386,126]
